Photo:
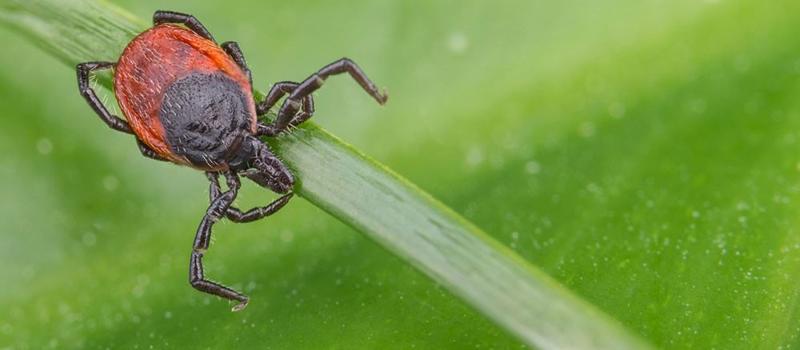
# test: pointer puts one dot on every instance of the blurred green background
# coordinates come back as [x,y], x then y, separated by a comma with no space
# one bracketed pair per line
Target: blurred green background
[643,153]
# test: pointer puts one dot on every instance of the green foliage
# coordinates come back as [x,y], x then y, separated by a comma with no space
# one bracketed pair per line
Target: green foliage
[642,153]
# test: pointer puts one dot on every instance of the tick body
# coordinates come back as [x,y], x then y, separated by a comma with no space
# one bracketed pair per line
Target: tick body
[184,97]
[189,101]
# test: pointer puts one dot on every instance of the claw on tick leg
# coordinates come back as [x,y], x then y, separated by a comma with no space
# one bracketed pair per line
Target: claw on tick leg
[240,306]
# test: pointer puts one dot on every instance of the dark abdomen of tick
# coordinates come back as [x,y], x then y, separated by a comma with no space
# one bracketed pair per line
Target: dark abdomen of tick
[205,117]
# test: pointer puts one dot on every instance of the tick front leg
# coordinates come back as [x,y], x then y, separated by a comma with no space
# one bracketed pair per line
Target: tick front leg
[293,103]
[277,91]
[202,240]
[270,172]
[84,73]
[236,215]
[258,213]
[198,281]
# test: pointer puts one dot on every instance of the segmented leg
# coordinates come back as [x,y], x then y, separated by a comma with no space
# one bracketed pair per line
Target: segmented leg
[236,215]
[270,172]
[275,93]
[148,152]
[216,211]
[84,84]
[288,112]
[233,50]
[161,17]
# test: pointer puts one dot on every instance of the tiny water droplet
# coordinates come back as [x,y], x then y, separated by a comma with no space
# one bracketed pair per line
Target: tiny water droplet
[44,146]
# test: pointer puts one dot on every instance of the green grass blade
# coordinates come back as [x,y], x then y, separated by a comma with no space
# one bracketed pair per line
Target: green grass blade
[367,196]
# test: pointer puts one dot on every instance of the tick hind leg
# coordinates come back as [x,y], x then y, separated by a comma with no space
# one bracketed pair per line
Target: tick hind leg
[288,112]
[236,215]
[233,50]
[216,211]
[161,17]
[85,71]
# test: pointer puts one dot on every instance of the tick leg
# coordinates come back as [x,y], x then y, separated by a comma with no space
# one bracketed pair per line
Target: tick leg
[277,91]
[270,172]
[233,50]
[288,112]
[161,17]
[216,211]
[148,152]
[84,72]
[236,215]
[258,213]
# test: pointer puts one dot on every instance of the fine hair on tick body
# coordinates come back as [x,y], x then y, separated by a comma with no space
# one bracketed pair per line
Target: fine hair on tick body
[189,101]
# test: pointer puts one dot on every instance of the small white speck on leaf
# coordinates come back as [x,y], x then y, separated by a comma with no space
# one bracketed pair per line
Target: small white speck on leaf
[458,43]
[475,156]
[586,129]
[533,167]
[110,183]
[44,146]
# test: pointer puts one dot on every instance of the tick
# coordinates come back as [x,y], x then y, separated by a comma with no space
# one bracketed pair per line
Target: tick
[189,101]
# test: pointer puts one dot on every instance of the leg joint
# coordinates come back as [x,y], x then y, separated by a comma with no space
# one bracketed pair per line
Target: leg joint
[85,70]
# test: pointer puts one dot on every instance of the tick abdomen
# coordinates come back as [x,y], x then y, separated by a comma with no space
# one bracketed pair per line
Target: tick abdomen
[176,89]
[205,116]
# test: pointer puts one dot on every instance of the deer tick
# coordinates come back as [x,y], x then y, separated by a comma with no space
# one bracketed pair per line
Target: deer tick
[189,101]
